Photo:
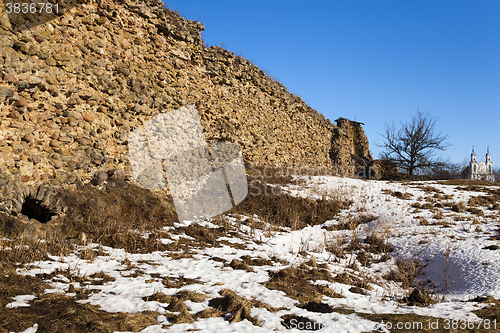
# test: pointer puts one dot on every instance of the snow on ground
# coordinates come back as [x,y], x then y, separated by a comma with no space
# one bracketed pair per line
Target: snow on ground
[471,270]
[21,300]
[458,266]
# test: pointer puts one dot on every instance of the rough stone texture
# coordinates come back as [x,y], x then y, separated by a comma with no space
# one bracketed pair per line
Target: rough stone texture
[74,87]
[349,139]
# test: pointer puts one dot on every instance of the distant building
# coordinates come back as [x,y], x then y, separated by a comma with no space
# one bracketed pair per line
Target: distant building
[482,170]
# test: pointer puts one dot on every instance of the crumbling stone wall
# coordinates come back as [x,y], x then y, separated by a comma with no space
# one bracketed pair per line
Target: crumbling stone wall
[349,139]
[74,87]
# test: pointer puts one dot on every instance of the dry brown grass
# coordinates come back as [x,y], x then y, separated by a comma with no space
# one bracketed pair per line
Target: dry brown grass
[438,215]
[349,279]
[352,222]
[423,221]
[101,278]
[256,261]
[443,224]
[178,282]
[439,205]
[398,194]
[295,282]
[12,284]
[158,297]
[491,199]
[496,237]
[377,244]
[491,313]
[20,251]
[293,321]
[60,314]
[237,264]
[468,182]
[203,235]
[334,245]
[284,210]
[475,211]
[459,207]
[429,189]
[418,205]
[116,217]
[405,272]
[238,308]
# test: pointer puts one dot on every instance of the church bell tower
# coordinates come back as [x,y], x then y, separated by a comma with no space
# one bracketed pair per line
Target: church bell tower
[473,165]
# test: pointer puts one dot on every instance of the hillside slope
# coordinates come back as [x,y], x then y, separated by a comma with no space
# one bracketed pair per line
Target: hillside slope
[356,272]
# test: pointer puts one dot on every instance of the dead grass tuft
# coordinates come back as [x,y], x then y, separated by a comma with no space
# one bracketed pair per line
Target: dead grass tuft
[25,250]
[230,302]
[377,244]
[177,282]
[209,313]
[406,272]
[475,211]
[358,290]
[182,318]
[430,189]
[346,278]
[237,264]
[177,305]
[426,205]
[101,278]
[318,307]
[12,284]
[491,312]
[295,282]
[284,210]
[459,207]
[352,222]
[158,297]
[117,217]
[491,199]
[397,194]
[295,321]
[256,261]
[334,245]
[419,297]
[439,205]
[438,215]
[202,234]
[193,296]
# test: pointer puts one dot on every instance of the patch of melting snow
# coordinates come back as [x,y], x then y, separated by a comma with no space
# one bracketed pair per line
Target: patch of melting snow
[20,301]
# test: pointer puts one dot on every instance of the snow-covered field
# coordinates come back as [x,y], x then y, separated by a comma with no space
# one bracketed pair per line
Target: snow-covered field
[452,244]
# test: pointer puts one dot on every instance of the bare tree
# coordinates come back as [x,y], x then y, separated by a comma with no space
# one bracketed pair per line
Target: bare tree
[496,172]
[447,170]
[412,147]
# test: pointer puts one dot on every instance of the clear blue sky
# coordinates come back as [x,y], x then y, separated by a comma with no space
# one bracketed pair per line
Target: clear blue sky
[378,61]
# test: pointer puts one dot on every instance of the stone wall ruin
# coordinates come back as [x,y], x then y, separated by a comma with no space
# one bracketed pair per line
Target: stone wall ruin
[72,89]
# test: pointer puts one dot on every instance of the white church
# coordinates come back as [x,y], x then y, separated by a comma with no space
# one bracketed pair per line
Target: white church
[482,170]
